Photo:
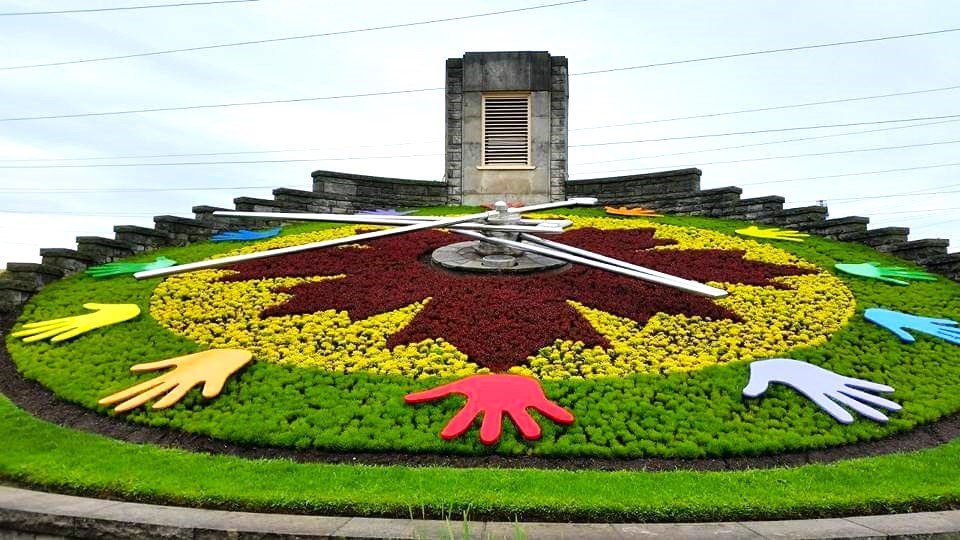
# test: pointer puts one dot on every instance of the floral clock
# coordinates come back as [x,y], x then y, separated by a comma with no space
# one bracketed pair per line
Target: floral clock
[370,347]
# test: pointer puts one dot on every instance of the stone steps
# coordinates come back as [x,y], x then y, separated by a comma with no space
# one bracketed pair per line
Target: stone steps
[921,251]
[675,192]
[104,250]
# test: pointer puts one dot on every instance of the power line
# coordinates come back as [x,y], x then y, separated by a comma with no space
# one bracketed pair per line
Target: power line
[135,190]
[822,126]
[782,141]
[292,38]
[937,224]
[778,107]
[179,163]
[206,154]
[816,154]
[768,51]
[865,173]
[887,196]
[151,6]
[925,210]
[89,214]
[217,105]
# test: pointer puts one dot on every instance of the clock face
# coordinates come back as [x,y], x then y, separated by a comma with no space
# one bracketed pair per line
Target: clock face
[372,307]
[340,336]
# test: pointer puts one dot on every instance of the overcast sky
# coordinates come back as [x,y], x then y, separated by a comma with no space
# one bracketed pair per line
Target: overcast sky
[401,135]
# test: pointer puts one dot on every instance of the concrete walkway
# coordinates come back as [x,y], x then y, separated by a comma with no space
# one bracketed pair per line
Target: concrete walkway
[26,514]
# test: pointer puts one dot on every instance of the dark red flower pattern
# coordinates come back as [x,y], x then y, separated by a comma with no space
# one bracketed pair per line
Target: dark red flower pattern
[499,320]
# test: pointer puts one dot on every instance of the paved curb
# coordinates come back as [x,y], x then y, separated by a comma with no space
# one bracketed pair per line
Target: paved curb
[32,514]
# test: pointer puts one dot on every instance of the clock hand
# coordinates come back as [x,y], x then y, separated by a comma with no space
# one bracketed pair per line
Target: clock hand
[564,252]
[687,284]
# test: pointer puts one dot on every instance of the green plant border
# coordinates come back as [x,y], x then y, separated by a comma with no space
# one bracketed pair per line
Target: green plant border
[677,426]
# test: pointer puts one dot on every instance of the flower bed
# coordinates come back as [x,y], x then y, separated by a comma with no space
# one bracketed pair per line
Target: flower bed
[340,336]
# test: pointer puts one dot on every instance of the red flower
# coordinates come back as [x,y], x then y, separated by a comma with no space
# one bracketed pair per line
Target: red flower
[499,320]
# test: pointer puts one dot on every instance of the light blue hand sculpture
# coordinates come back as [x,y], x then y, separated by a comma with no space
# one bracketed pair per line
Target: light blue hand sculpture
[822,386]
[884,273]
[244,234]
[122,268]
[899,323]
[385,212]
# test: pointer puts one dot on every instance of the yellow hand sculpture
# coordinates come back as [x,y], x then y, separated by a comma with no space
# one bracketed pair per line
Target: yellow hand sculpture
[211,367]
[68,327]
[773,233]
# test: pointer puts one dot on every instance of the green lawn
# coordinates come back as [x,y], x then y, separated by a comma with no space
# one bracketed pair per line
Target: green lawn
[39,454]
[43,455]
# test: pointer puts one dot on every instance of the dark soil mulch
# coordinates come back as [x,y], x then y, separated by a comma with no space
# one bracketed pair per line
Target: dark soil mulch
[37,400]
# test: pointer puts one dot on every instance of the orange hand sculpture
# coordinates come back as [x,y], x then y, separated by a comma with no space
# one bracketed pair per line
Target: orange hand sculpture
[211,367]
[637,211]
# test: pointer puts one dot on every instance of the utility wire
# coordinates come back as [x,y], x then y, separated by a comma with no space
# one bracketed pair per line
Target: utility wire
[178,163]
[782,141]
[887,196]
[864,173]
[138,190]
[207,154]
[292,38]
[822,126]
[124,8]
[925,210]
[776,108]
[216,105]
[815,154]
[91,214]
[184,163]
[769,51]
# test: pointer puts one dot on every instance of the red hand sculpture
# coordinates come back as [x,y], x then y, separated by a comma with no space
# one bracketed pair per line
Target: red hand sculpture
[494,395]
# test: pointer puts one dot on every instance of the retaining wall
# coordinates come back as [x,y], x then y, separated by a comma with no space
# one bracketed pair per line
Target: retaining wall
[674,192]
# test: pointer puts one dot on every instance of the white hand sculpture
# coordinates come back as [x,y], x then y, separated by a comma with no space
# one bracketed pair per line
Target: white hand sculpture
[822,386]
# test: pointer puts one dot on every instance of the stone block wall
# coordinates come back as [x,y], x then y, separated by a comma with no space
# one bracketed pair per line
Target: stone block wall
[453,139]
[674,192]
[559,102]
[343,193]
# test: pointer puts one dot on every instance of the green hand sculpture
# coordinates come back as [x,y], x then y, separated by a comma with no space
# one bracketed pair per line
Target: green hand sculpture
[68,327]
[773,233]
[212,368]
[122,268]
[888,274]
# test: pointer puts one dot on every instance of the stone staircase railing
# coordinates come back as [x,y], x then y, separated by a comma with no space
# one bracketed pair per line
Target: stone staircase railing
[675,192]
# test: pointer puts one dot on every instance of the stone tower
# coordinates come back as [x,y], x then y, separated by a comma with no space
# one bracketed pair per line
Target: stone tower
[506,127]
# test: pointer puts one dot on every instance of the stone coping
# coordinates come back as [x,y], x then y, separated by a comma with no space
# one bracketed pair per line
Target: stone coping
[363,178]
[34,514]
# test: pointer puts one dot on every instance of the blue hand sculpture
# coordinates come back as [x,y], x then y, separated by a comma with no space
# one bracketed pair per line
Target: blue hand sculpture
[822,386]
[386,212]
[244,234]
[899,323]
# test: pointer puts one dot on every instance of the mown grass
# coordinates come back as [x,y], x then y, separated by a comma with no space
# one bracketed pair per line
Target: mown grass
[40,454]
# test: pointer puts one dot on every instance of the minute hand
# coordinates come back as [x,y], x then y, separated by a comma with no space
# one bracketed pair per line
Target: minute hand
[440,223]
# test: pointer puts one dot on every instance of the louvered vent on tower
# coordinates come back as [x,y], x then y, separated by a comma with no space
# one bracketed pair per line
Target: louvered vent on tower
[506,130]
